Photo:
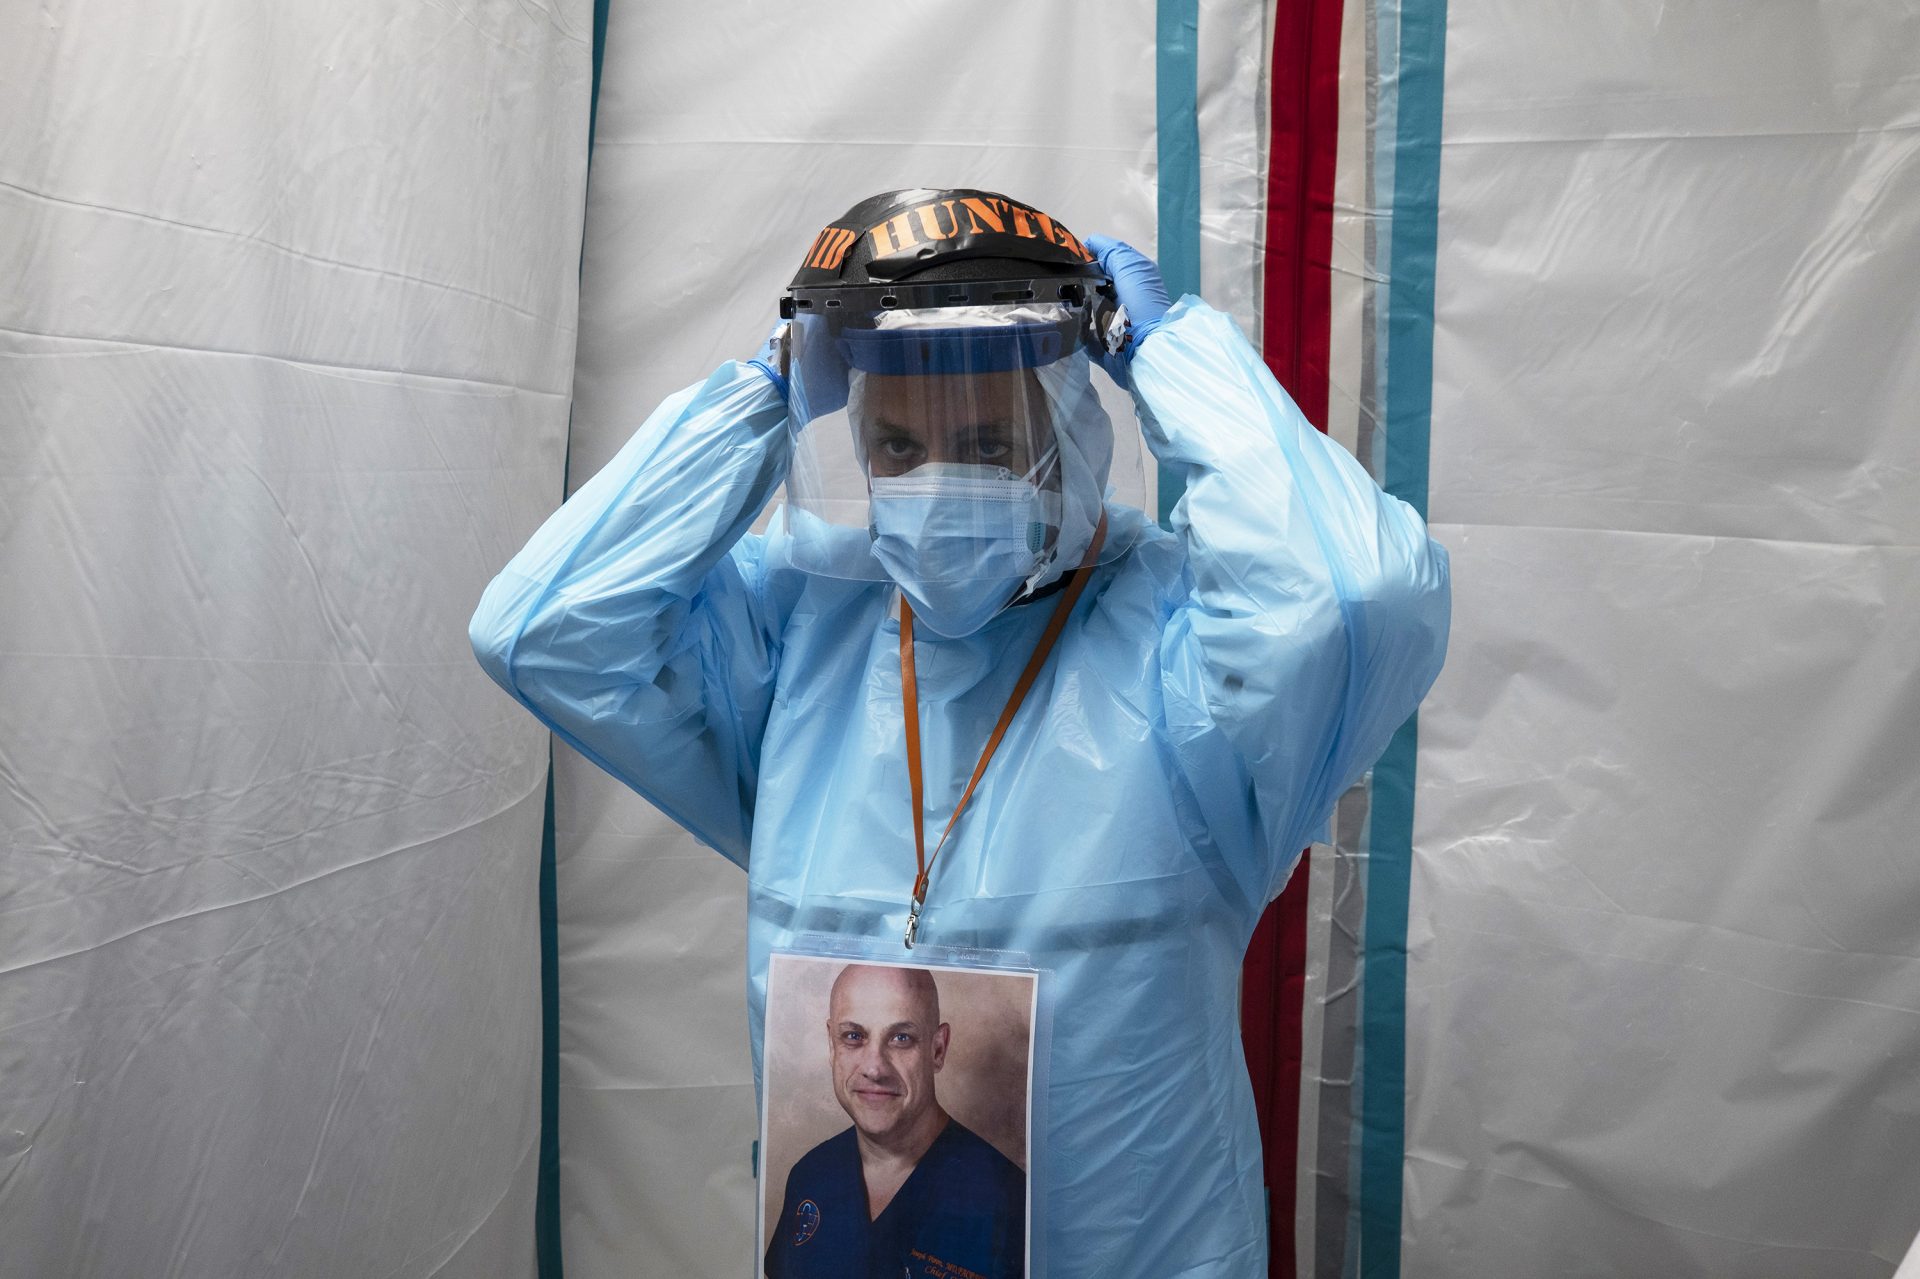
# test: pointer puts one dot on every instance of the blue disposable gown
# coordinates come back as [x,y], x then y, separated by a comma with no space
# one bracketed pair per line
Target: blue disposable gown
[1213,693]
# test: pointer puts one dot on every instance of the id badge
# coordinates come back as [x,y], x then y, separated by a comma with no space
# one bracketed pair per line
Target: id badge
[898,1112]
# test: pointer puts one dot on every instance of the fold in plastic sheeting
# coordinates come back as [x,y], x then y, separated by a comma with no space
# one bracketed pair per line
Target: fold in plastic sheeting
[1664,984]
[1670,1004]
[284,375]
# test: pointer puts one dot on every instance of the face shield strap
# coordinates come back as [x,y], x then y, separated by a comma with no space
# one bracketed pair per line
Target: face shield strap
[1084,307]
[1076,291]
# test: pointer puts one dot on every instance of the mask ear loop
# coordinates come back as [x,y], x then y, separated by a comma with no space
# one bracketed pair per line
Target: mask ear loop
[1047,477]
[1046,471]
[1047,468]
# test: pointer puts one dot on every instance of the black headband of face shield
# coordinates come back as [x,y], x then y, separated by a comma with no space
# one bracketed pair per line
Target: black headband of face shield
[1103,327]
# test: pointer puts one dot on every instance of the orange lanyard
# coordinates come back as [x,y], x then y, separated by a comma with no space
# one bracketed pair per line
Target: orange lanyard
[910,702]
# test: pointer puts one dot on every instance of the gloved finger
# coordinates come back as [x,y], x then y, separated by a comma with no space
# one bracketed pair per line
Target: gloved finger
[1135,277]
[1137,284]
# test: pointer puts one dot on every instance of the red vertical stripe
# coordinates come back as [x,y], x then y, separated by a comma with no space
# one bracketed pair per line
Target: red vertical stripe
[1299,247]
[1295,335]
[1273,984]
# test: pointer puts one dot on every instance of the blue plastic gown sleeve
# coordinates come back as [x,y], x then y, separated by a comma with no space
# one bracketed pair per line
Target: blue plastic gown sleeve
[1318,607]
[635,623]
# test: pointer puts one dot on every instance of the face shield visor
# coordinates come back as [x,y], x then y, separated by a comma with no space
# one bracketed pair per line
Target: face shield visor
[961,451]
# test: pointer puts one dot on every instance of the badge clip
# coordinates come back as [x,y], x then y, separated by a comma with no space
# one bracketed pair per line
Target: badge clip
[913,919]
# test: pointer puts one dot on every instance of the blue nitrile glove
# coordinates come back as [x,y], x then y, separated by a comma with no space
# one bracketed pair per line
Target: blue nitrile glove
[768,359]
[1139,288]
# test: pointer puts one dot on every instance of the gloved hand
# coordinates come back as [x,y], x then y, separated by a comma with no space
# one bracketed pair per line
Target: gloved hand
[1137,283]
[769,359]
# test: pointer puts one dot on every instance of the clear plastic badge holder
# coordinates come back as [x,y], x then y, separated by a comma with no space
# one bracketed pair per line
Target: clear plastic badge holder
[978,992]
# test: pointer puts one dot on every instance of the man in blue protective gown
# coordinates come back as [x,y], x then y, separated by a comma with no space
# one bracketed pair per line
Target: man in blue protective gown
[907,1190]
[955,689]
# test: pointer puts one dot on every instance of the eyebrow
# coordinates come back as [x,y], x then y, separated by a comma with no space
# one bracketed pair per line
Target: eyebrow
[844,1024]
[888,424]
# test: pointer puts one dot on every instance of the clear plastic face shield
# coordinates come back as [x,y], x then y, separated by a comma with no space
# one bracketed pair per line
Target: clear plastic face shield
[961,450]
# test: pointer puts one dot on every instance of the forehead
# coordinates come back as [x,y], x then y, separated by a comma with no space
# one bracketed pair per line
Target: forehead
[911,398]
[877,995]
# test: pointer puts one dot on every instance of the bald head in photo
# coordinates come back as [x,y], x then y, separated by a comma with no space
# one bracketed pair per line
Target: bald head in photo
[887,1045]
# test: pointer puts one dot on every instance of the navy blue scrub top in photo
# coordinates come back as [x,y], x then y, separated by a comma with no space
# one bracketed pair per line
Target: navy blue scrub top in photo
[960,1214]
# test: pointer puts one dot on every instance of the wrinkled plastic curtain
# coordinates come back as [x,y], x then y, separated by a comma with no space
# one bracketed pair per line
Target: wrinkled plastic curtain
[1663,991]
[287,311]
[715,162]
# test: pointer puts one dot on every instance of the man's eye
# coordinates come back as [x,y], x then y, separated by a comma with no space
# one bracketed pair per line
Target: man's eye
[903,1039]
[851,1037]
[991,450]
[898,448]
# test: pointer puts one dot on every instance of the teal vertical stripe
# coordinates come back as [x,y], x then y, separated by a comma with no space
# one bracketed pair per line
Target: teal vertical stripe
[1383,1020]
[600,10]
[546,1211]
[1177,116]
[548,1256]
[1409,402]
[1416,225]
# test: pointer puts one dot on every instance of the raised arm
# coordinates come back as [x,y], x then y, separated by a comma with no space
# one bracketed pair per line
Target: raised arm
[634,624]
[1318,607]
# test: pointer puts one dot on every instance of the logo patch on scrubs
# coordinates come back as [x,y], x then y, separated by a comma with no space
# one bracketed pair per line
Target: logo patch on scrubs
[806,1220]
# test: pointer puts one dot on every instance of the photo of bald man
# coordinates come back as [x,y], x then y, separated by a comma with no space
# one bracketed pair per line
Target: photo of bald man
[905,1188]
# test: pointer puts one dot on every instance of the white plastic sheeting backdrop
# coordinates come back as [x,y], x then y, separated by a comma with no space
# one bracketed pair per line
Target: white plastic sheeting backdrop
[1664,989]
[714,165]
[285,353]
[286,339]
